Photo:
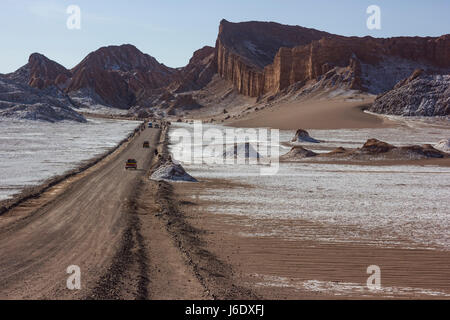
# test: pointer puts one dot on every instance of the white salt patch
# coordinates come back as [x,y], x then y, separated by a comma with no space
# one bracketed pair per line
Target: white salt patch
[396,206]
[32,152]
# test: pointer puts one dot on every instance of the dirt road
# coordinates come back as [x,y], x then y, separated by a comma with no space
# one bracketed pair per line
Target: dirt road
[85,221]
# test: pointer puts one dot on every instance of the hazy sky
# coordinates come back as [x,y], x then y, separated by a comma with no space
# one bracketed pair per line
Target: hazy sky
[171,30]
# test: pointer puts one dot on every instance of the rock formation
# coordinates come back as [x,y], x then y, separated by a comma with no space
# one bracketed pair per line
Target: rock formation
[418,95]
[120,75]
[297,153]
[172,172]
[261,57]
[303,136]
[375,149]
[443,145]
[41,72]
[20,101]
[374,146]
[197,73]
[372,150]
[244,49]
[376,64]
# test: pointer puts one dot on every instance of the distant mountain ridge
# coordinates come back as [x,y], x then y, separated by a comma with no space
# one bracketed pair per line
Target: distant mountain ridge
[258,59]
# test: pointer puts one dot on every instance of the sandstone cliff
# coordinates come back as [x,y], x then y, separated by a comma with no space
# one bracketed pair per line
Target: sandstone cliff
[376,64]
[265,57]
[244,49]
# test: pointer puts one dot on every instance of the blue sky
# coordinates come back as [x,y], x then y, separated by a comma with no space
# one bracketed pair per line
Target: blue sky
[171,30]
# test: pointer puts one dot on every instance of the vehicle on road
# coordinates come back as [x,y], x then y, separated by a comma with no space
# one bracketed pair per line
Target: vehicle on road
[150,125]
[146,144]
[131,164]
[156,126]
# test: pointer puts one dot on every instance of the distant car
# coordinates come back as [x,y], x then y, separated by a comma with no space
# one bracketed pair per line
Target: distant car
[146,144]
[131,164]
[156,126]
[150,125]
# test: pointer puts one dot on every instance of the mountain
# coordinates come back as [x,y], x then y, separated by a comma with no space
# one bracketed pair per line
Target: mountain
[41,72]
[118,76]
[244,49]
[375,64]
[419,95]
[35,92]
[265,58]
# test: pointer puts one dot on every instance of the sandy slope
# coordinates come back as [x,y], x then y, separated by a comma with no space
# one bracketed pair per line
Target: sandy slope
[314,114]
[87,223]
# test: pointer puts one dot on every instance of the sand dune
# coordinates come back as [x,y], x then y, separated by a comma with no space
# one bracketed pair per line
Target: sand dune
[315,114]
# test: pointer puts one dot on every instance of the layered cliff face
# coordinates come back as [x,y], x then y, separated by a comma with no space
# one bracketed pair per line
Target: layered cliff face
[377,64]
[244,49]
[261,58]
[418,95]
[119,75]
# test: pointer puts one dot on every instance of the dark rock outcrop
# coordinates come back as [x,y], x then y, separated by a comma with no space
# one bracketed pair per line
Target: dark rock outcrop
[374,146]
[418,95]
[375,149]
[197,73]
[41,72]
[20,101]
[297,153]
[303,136]
[372,150]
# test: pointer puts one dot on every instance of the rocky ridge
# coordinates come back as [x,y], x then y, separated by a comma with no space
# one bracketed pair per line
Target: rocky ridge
[258,59]
[419,95]
[21,101]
